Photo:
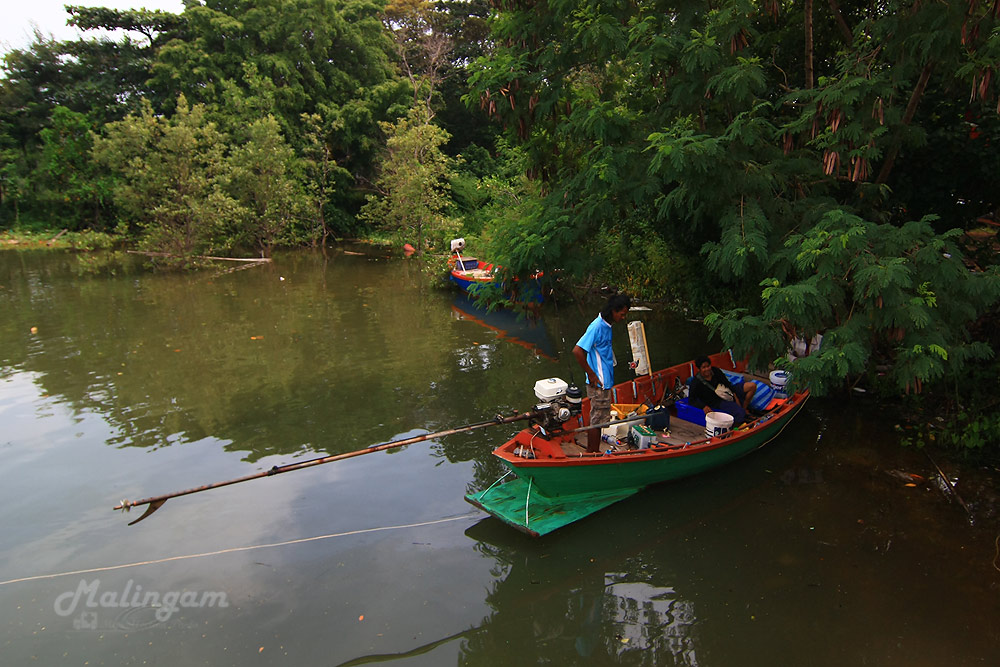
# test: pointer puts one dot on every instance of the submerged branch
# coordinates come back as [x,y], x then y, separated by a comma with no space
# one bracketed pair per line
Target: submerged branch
[258,260]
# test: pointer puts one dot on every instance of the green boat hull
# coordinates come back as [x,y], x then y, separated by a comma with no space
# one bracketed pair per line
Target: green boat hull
[549,494]
[623,472]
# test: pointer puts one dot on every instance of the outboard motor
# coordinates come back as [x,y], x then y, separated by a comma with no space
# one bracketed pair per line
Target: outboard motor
[559,402]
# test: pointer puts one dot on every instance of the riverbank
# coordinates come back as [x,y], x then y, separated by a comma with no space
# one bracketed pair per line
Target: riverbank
[56,240]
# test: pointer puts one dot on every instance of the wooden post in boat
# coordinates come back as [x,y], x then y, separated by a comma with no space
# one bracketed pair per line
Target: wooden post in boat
[640,355]
[645,346]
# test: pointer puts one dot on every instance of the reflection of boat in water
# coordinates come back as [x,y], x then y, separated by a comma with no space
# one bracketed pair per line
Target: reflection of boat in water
[513,327]
[558,481]
[648,618]
[572,607]
[563,605]
[649,582]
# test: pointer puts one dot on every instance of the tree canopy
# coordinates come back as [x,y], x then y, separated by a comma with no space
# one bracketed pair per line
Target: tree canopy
[778,142]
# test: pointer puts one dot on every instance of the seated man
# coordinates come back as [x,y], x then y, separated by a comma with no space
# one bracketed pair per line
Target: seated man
[704,392]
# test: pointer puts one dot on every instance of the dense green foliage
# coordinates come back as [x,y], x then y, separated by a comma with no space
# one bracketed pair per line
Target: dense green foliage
[325,72]
[791,179]
[412,190]
[169,177]
[790,168]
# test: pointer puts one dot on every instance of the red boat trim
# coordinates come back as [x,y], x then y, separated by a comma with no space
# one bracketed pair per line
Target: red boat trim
[557,458]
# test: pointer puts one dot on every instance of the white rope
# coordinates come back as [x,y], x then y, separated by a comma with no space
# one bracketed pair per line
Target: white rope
[236,549]
[505,475]
[785,425]
[531,445]
[527,498]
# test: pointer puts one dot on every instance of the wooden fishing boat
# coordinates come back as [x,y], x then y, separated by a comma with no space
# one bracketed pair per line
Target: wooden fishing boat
[468,272]
[558,482]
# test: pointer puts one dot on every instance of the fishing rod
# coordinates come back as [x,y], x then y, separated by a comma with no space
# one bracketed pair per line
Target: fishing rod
[155,502]
[951,489]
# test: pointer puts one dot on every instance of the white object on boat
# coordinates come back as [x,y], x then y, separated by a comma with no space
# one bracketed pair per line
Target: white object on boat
[640,353]
[550,388]
[717,423]
[457,244]
[779,379]
[799,347]
[619,430]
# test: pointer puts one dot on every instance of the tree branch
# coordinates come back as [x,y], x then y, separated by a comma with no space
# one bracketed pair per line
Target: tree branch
[845,30]
[911,110]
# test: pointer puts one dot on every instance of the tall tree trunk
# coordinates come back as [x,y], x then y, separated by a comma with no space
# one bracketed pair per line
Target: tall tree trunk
[845,30]
[326,230]
[809,43]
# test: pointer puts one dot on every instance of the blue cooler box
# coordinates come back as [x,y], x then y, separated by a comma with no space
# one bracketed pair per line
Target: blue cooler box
[688,412]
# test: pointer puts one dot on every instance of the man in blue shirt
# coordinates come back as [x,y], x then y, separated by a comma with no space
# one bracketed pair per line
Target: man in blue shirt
[594,354]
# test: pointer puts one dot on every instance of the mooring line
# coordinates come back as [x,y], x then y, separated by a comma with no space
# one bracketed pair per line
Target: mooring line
[236,549]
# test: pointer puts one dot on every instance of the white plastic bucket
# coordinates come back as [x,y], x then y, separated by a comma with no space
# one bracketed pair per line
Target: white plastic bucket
[717,423]
[778,380]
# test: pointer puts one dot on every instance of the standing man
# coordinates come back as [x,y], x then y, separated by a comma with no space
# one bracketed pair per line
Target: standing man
[594,354]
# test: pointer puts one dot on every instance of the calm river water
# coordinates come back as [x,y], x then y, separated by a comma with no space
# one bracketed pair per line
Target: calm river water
[813,551]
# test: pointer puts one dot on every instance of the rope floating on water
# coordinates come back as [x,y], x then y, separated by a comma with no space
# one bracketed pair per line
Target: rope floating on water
[996,543]
[251,547]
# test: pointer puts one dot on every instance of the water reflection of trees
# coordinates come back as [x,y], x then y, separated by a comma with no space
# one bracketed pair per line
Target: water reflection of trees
[300,356]
[306,355]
